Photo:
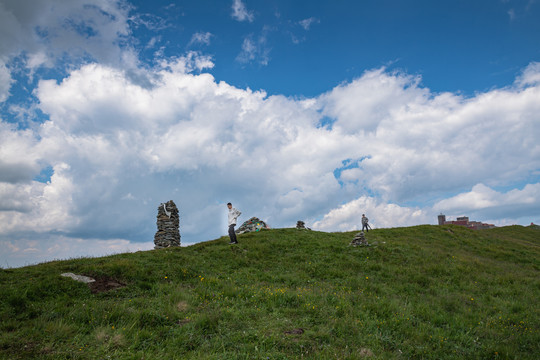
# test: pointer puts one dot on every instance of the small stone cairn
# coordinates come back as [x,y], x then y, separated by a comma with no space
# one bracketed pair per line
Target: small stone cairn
[359,240]
[168,221]
[300,225]
[253,224]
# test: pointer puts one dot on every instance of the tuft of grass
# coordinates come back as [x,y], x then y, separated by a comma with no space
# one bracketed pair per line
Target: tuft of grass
[422,292]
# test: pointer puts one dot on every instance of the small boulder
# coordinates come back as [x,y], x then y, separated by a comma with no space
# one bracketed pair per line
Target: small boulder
[252,225]
[359,240]
[79,278]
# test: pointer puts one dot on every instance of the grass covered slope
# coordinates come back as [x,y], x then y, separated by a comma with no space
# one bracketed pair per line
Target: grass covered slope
[434,292]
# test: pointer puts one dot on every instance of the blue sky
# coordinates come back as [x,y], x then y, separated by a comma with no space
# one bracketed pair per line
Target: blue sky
[465,46]
[307,110]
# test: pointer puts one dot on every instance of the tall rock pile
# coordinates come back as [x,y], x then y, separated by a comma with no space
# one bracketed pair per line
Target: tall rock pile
[168,224]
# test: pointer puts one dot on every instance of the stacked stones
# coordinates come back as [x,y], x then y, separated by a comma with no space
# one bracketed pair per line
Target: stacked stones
[253,224]
[168,221]
[359,240]
[300,225]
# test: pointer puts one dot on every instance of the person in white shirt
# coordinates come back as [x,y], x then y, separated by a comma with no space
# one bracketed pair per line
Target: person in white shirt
[233,215]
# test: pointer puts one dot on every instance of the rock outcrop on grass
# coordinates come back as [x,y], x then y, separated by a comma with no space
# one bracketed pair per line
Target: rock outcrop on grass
[253,224]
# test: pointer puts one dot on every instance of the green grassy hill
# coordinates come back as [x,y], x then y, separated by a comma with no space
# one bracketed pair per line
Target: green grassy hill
[423,292]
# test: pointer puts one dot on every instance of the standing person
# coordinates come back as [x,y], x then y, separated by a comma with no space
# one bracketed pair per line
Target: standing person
[233,215]
[365,224]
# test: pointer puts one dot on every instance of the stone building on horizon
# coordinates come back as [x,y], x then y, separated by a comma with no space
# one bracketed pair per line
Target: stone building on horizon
[464,221]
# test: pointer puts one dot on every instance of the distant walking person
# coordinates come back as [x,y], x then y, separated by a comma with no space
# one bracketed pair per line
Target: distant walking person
[233,215]
[365,224]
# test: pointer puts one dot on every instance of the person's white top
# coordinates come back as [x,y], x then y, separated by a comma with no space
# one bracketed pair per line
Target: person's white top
[233,215]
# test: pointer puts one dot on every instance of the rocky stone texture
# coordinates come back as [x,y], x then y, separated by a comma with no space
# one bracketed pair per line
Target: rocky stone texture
[80,278]
[300,225]
[359,240]
[168,223]
[253,224]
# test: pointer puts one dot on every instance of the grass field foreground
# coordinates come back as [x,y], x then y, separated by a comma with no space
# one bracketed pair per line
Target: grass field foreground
[423,292]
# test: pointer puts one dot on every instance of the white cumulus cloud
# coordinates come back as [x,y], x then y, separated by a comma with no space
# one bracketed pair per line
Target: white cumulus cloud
[240,12]
[201,38]
[255,49]
[306,23]
[5,81]
[48,29]
[49,248]
[393,150]
[531,75]
[494,205]
[348,216]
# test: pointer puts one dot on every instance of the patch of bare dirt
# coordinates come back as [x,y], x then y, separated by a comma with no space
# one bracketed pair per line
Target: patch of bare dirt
[366,353]
[183,322]
[182,306]
[104,284]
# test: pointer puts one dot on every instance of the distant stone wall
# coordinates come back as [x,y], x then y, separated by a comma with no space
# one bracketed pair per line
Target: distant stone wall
[168,226]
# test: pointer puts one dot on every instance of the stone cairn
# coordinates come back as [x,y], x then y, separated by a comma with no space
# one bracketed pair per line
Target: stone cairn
[168,221]
[359,240]
[300,225]
[253,224]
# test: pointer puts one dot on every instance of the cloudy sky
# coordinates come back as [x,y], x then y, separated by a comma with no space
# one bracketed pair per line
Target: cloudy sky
[307,110]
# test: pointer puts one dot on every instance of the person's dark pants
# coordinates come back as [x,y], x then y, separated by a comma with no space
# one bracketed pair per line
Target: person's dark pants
[365,227]
[232,234]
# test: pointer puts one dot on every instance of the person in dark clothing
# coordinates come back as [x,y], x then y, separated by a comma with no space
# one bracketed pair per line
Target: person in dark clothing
[365,224]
